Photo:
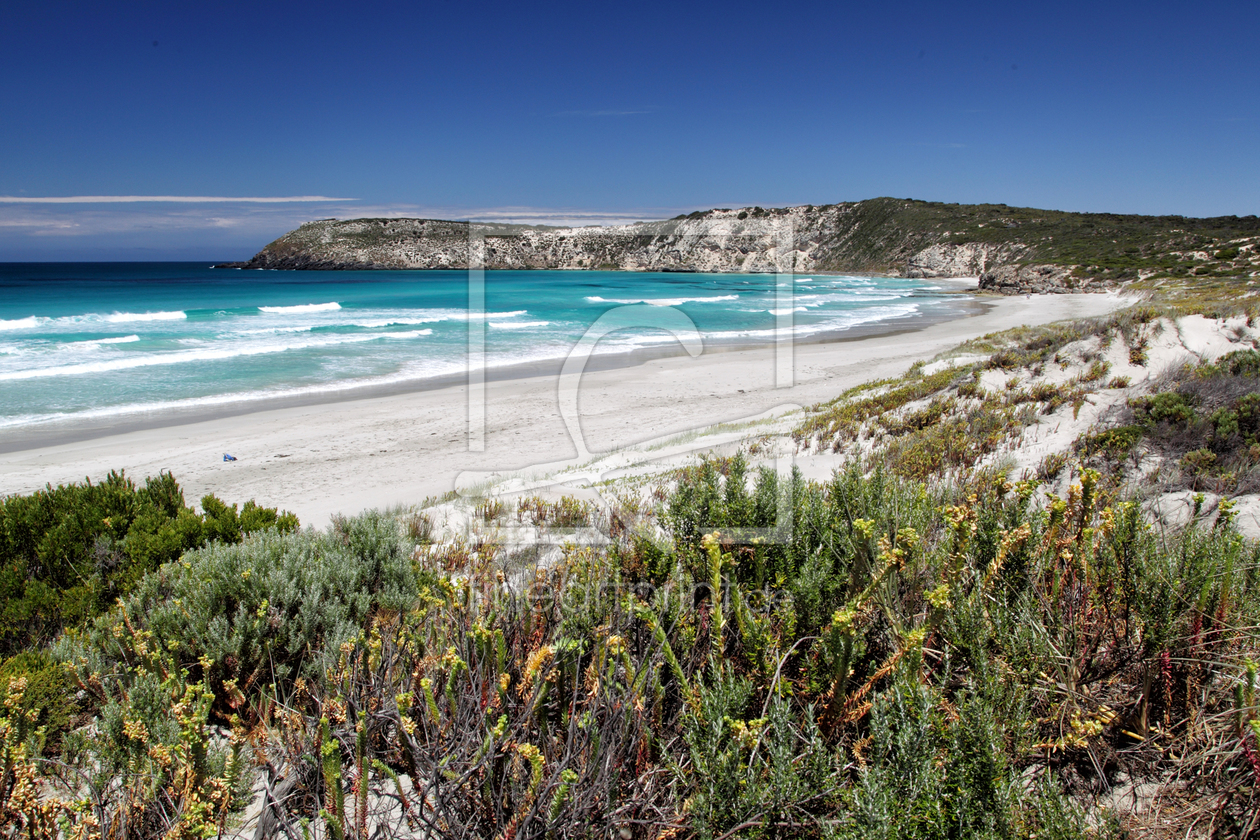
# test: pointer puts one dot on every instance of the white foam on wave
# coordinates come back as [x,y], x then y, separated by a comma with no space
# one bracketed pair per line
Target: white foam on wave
[433,316]
[128,317]
[376,320]
[517,325]
[392,322]
[90,342]
[413,372]
[662,301]
[275,330]
[200,354]
[386,319]
[839,323]
[416,371]
[851,296]
[34,321]
[624,344]
[192,403]
[408,334]
[367,325]
[301,309]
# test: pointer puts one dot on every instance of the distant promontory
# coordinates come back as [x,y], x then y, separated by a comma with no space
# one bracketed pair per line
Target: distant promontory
[1011,249]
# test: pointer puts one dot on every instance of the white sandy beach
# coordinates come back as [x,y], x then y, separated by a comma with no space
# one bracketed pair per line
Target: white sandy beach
[343,457]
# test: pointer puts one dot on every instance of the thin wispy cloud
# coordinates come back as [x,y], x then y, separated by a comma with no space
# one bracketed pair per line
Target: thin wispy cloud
[524,215]
[166,199]
[607,112]
[32,223]
[235,229]
[566,217]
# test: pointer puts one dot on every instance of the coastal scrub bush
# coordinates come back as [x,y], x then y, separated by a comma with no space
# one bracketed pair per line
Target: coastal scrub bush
[152,765]
[490,510]
[1238,363]
[914,421]
[67,553]
[565,512]
[1168,407]
[1114,444]
[903,791]
[957,442]
[265,611]
[1205,419]
[771,775]
[840,420]
[47,695]
[903,658]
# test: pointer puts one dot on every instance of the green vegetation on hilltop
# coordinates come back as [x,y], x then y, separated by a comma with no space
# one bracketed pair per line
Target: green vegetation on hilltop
[1119,245]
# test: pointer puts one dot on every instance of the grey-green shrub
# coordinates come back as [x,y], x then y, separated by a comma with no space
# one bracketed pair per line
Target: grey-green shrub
[760,773]
[67,553]
[272,608]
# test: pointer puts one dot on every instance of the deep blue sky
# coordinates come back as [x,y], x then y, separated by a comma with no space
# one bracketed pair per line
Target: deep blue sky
[619,111]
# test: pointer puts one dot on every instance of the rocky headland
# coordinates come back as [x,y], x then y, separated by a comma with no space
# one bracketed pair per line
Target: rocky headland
[1011,250]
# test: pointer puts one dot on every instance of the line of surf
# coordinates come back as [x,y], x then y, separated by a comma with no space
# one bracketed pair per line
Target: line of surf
[198,355]
[301,308]
[678,301]
[36,321]
[422,370]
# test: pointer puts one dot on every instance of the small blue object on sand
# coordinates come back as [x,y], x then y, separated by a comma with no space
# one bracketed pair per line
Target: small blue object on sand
[227,457]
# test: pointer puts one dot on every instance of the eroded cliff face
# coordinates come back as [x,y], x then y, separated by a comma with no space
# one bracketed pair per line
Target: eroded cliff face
[838,237]
[720,241]
[1010,250]
[968,260]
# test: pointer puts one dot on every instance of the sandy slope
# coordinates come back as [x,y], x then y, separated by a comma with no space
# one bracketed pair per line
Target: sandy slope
[348,456]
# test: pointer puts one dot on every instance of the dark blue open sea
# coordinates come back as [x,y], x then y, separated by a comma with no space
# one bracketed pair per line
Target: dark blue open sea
[81,341]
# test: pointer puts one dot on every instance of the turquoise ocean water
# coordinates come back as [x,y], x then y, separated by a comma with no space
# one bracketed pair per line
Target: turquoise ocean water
[82,341]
